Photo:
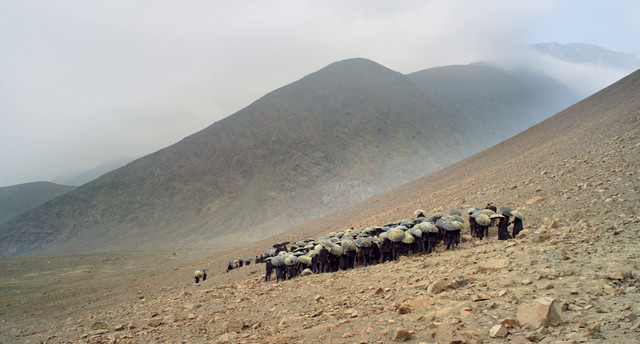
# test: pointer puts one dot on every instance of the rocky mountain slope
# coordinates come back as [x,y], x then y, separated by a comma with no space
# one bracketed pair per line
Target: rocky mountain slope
[16,199]
[571,277]
[325,142]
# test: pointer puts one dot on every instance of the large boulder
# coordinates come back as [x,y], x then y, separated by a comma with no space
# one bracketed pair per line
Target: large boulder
[543,312]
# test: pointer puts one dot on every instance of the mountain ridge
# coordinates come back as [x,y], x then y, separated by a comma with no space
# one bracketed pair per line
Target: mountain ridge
[329,140]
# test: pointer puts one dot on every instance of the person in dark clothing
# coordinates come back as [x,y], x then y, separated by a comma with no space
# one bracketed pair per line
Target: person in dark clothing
[198,275]
[351,259]
[473,226]
[432,242]
[449,239]
[269,270]
[386,250]
[291,271]
[230,266]
[333,263]
[204,275]
[503,229]
[240,263]
[323,260]
[374,253]
[280,274]
[493,208]
[517,226]
[343,263]
[482,230]
[419,243]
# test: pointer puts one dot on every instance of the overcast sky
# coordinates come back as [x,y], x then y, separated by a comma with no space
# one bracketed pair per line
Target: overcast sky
[87,82]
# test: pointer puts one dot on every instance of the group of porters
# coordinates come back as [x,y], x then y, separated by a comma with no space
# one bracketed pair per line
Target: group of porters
[348,248]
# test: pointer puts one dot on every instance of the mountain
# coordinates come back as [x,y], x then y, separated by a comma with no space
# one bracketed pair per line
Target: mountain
[91,174]
[573,176]
[588,53]
[337,136]
[491,102]
[16,199]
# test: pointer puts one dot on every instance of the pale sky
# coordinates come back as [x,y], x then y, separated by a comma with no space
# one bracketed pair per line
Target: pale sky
[88,82]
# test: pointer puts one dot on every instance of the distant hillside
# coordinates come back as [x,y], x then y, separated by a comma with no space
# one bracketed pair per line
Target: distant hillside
[588,53]
[89,175]
[16,199]
[492,103]
[320,144]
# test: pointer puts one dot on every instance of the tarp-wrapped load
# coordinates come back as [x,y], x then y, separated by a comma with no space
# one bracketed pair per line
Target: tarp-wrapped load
[487,212]
[336,250]
[384,235]
[348,244]
[385,228]
[495,216]
[472,210]
[198,273]
[408,238]
[250,259]
[419,211]
[332,234]
[306,260]
[452,226]
[278,260]
[455,211]
[334,240]
[312,253]
[406,222]
[301,244]
[483,219]
[271,252]
[363,242]
[428,227]
[505,210]
[434,217]
[518,214]
[457,218]
[415,231]
[291,260]
[396,234]
[442,220]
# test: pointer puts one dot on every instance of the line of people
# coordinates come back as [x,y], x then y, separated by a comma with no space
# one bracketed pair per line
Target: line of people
[349,248]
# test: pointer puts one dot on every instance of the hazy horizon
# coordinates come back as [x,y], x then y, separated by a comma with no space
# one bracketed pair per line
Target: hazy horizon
[87,83]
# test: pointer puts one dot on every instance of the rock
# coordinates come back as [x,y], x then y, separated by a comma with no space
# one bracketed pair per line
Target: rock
[401,335]
[523,234]
[543,285]
[119,327]
[519,339]
[155,322]
[541,235]
[306,272]
[512,187]
[535,199]
[448,334]
[509,322]
[466,238]
[232,326]
[405,309]
[553,224]
[526,281]
[99,325]
[493,264]
[498,331]
[438,286]
[443,284]
[593,329]
[542,312]
[188,306]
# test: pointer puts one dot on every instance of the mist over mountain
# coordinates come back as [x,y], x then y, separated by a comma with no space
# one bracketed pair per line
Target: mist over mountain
[491,103]
[335,137]
[91,174]
[588,53]
[16,199]
[585,68]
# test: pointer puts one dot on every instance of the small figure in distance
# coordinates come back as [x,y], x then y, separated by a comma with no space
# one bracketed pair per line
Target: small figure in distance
[198,275]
